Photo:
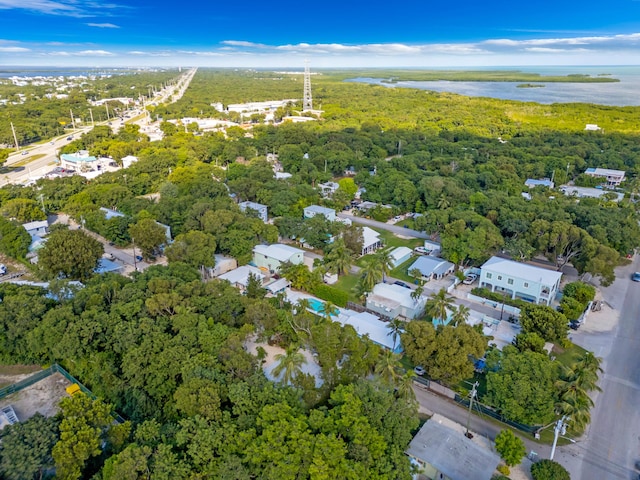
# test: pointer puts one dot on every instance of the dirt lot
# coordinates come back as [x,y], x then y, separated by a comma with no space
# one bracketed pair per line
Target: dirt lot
[42,396]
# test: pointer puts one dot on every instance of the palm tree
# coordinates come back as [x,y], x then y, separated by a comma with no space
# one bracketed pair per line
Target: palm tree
[339,258]
[302,305]
[385,261]
[289,364]
[439,305]
[396,327]
[461,315]
[328,309]
[360,290]
[415,294]
[388,366]
[372,274]
[405,386]
[577,408]
[416,273]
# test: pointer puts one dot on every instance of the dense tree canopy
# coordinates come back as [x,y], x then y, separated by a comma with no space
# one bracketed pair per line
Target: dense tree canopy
[71,254]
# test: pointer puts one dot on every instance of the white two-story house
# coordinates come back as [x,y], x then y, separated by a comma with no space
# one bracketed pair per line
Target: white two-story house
[520,280]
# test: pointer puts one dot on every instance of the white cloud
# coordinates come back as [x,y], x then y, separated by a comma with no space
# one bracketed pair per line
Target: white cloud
[93,53]
[70,8]
[103,25]
[14,49]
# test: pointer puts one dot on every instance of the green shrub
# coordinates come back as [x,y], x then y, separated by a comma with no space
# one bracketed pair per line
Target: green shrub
[510,448]
[330,294]
[549,470]
[580,291]
[504,470]
[496,297]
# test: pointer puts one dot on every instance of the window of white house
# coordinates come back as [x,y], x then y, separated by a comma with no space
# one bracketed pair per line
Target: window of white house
[510,281]
[488,275]
[526,285]
[499,277]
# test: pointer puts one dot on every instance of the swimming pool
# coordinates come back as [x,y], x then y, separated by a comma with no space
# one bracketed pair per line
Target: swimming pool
[316,305]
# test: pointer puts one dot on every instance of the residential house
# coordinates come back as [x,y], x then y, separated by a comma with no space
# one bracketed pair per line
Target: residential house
[313,210]
[270,257]
[433,248]
[239,277]
[520,280]
[260,209]
[109,213]
[81,161]
[223,265]
[277,286]
[395,301]
[400,255]
[613,177]
[38,228]
[542,182]
[368,324]
[370,241]
[592,127]
[432,267]
[328,189]
[442,451]
[107,266]
[586,192]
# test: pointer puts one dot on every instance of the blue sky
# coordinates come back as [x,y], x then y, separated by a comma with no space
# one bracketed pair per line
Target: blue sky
[330,33]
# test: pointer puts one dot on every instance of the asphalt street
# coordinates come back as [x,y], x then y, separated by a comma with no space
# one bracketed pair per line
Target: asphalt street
[384,226]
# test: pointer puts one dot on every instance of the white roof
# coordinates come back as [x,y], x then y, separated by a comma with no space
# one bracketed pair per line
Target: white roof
[252,205]
[279,251]
[395,293]
[400,252]
[369,237]
[278,285]
[240,275]
[368,324]
[327,212]
[522,270]
[35,225]
[605,172]
[430,265]
[129,158]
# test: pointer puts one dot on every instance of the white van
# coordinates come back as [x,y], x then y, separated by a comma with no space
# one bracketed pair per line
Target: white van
[3,269]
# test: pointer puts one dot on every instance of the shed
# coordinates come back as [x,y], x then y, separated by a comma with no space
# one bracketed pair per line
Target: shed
[400,255]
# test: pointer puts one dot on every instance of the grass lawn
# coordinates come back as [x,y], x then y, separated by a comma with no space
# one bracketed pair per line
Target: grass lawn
[568,356]
[347,283]
[391,240]
[400,271]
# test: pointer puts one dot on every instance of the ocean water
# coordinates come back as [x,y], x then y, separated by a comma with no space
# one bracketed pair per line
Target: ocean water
[626,92]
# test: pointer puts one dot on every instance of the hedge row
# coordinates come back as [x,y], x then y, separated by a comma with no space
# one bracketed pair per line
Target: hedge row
[330,294]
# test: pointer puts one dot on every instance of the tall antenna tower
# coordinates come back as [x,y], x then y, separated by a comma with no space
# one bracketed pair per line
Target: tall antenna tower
[307,101]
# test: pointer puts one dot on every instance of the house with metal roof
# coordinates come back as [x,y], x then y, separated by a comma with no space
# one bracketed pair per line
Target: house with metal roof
[442,451]
[38,228]
[432,267]
[260,209]
[370,241]
[520,280]
[542,182]
[239,277]
[613,177]
[368,324]
[400,255]
[395,301]
[313,210]
[270,257]
[80,161]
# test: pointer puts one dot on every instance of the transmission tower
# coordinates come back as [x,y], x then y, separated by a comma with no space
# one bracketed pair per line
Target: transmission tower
[307,101]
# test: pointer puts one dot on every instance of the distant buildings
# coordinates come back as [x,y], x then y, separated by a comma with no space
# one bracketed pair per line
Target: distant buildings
[592,127]
[586,192]
[81,161]
[328,189]
[613,177]
[260,209]
[543,182]
[520,280]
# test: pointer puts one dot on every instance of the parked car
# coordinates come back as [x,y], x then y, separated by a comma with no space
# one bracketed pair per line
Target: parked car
[419,371]
[3,269]
[402,284]
[421,251]
[109,256]
[636,277]
[574,325]
[469,279]
[139,258]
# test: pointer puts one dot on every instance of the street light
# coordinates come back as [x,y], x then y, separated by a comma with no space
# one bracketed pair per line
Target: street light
[560,428]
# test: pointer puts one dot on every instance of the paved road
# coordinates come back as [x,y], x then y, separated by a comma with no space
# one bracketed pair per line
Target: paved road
[384,226]
[611,444]
[20,169]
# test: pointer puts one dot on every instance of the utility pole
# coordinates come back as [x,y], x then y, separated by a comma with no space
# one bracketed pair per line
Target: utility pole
[135,262]
[15,138]
[91,113]
[73,121]
[561,428]
[472,395]
[106,105]
[41,197]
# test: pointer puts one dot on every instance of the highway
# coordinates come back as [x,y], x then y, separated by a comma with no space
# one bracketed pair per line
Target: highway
[41,158]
